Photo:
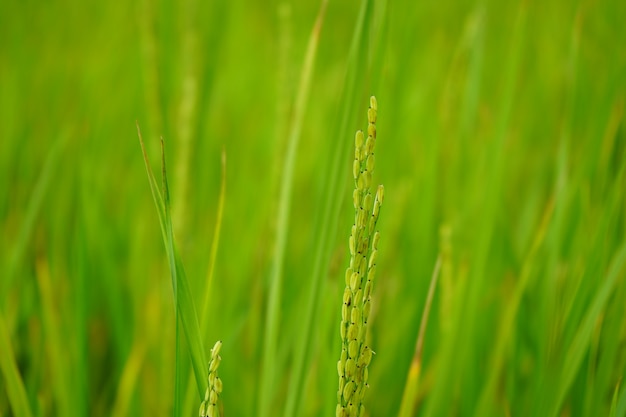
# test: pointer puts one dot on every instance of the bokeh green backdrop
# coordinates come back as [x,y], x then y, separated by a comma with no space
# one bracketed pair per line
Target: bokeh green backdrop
[501,147]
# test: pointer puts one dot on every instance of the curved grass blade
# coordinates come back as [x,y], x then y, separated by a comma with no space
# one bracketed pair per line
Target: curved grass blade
[183,300]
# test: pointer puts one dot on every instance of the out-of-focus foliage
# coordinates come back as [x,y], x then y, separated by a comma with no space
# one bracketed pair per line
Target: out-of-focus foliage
[501,144]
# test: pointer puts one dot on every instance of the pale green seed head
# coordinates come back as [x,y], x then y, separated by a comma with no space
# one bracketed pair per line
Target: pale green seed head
[369,144]
[355,315]
[362,392]
[371,273]
[344,355]
[208,406]
[376,209]
[371,115]
[358,394]
[358,139]
[361,218]
[215,363]
[375,240]
[353,349]
[371,132]
[218,385]
[352,410]
[367,203]
[366,357]
[372,222]
[367,178]
[355,279]
[367,308]
[350,368]
[216,348]
[363,245]
[348,390]
[373,103]
[362,331]
[369,165]
[380,194]
[364,265]
[347,296]
[356,199]
[373,257]
[353,331]
[368,289]
[358,297]
[360,183]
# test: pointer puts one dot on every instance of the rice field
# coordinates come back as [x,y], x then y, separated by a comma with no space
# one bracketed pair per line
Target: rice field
[130,270]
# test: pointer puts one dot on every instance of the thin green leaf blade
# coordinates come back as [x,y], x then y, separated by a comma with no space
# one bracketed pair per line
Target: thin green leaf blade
[14,384]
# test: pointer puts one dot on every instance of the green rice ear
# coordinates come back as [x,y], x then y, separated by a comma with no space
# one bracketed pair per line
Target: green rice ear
[359,277]
[209,407]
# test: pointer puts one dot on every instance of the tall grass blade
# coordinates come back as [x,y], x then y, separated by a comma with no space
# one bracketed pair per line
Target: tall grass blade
[128,380]
[56,340]
[580,344]
[507,324]
[268,365]
[204,322]
[30,215]
[184,303]
[214,247]
[613,410]
[409,397]
[620,410]
[11,375]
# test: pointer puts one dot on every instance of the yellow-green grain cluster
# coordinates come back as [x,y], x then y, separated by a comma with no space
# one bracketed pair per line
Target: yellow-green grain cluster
[355,312]
[209,407]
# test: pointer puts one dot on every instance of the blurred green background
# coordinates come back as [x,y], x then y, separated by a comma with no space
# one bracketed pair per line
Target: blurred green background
[501,147]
